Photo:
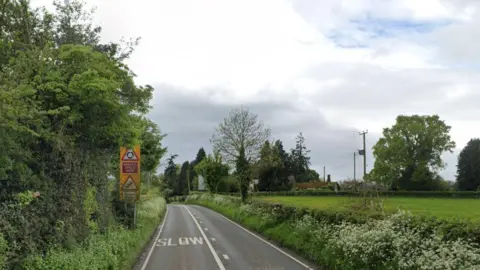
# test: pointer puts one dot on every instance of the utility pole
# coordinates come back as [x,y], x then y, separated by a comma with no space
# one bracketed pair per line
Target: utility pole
[364,153]
[354,166]
[324,174]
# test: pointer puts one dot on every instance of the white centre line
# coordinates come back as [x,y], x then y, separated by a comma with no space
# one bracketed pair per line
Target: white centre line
[206,229]
[155,242]
[213,239]
[225,256]
[215,255]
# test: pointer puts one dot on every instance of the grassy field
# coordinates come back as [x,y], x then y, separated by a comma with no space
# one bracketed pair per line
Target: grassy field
[444,208]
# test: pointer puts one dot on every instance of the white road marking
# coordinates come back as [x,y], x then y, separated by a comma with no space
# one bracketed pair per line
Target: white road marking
[206,229]
[213,239]
[266,242]
[156,239]
[182,241]
[225,256]
[215,256]
[200,221]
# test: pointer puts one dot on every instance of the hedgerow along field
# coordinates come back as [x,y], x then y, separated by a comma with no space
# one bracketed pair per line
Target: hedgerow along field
[444,208]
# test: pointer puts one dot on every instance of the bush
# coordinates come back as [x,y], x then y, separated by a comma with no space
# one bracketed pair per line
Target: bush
[425,194]
[347,240]
[118,248]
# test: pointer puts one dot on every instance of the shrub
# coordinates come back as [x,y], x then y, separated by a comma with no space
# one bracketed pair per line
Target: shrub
[118,248]
[347,240]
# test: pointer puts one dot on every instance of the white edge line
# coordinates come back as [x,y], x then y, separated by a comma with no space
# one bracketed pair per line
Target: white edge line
[155,242]
[266,242]
[215,255]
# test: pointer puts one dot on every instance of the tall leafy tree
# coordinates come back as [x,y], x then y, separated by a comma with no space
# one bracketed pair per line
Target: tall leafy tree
[183,181]
[152,149]
[408,155]
[67,106]
[468,166]
[171,173]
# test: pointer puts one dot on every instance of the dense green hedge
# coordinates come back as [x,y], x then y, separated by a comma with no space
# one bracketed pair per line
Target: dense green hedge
[118,248]
[426,194]
[350,240]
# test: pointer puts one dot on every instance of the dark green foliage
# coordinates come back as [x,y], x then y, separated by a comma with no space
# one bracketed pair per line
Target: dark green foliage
[213,171]
[273,168]
[468,167]
[171,175]
[201,155]
[66,107]
[183,180]
[300,161]
[408,155]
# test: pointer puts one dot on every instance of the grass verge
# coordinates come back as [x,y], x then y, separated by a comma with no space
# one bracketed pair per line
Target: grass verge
[397,241]
[116,249]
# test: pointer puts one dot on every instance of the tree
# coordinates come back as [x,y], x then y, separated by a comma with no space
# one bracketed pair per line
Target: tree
[171,173]
[300,162]
[240,130]
[183,181]
[152,150]
[243,173]
[408,155]
[200,156]
[273,168]
[212,169]
[66,107]
[468,166]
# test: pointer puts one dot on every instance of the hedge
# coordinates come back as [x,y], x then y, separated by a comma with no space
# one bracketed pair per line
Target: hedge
[424,194]
[363,240]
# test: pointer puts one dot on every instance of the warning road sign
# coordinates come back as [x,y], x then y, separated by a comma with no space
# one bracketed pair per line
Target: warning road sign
[130,156]
[130,173]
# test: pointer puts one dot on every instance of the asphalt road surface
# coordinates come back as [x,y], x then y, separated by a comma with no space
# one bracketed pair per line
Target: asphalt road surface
[194,237]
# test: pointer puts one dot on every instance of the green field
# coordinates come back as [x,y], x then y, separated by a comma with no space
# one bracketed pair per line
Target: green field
[444,208]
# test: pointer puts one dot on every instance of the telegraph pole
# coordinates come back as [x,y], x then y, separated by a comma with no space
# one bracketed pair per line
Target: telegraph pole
[364,153]
[354,166]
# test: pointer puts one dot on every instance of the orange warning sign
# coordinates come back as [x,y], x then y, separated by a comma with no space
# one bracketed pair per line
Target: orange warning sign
[130,174]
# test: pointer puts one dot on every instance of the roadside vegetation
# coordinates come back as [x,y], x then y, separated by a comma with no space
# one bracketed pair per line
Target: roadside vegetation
[67,104]
[341,240]
[401,215]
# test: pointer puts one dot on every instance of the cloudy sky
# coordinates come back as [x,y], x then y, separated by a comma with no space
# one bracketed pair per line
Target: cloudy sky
[327,68]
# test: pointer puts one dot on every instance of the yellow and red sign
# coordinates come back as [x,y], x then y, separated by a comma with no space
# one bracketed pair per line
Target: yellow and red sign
[130,174]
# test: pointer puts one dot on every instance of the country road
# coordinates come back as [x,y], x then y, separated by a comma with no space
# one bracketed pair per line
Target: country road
[194,237]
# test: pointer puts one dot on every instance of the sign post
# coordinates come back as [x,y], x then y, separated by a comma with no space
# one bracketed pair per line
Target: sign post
[130,176]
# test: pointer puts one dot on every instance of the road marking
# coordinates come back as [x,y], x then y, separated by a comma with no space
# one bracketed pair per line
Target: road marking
[200,221]
[182,241]
[206,229]
[213,239]
[266,242]
[225,256]
[215,256]
[156,239]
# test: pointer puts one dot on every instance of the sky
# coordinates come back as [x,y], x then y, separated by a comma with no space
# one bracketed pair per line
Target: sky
[328,69]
